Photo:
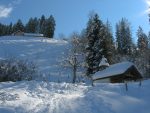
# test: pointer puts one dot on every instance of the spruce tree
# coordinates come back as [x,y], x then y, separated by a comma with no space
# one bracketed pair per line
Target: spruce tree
[49,27]
[10,29]
[149,40]
[143,52]
[123,37]
[107,42]
[142,40]
[18,26]
[94,35]
[42,23]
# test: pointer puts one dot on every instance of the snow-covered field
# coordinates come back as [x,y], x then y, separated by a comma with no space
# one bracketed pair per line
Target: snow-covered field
[50,97]
[45,53]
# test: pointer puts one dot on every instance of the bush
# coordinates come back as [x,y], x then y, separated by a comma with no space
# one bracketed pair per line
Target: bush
[16,70]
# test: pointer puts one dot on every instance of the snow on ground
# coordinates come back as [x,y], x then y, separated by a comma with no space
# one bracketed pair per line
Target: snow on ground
[50,97]
[45,53]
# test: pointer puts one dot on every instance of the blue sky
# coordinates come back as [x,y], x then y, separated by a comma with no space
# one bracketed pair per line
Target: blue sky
[72,15]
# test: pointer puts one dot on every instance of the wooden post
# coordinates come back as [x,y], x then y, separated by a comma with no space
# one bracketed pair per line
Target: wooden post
[140,83]
[126,85]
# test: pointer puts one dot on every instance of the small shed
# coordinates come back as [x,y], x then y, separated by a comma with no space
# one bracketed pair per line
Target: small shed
[118,73]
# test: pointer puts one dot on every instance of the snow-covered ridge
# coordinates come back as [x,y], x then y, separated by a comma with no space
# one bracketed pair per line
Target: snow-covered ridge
[14,39]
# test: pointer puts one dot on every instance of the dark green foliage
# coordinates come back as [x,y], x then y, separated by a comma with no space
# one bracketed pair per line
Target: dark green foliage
[123,37]
[45,26]
[108,44]
[142,40]
[6,29]
[32,25]
[99,42]
[93,49]
[42,23]
[49,27]
[18,26]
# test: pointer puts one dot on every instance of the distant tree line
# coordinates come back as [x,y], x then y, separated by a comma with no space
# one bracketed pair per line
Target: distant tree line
[43,25]
[97,40]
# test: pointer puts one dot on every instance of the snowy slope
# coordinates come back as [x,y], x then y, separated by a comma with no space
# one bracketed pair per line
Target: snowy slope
[43,52]
[49,97]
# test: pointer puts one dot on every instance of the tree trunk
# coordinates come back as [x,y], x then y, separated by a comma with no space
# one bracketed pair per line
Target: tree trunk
[74,70]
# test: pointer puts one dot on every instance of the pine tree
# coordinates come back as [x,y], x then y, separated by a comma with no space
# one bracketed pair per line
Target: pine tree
[107,42]
[10,29]
[149,40]
[94,35]
[142,40]
[1,29]
[18,26]
[32,25]
[143,54]
[49,27]
[42,23]
[123,37]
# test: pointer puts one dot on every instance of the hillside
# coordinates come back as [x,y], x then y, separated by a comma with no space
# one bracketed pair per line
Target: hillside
[45,53]
[52,97]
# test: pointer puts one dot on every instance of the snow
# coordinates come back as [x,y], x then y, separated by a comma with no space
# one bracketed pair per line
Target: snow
[45,53]
[103,62]
[33,34]
[50,97]
[114,69]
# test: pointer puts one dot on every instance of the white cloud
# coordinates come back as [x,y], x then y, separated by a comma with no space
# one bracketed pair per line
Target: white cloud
[147,2]
[5,11]
[147,8]
[147,11]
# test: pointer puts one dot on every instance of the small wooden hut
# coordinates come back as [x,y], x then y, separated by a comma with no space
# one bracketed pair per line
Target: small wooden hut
[118,73]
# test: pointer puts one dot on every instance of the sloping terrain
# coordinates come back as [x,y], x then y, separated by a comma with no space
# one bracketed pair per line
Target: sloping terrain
[52,97]
[45,53]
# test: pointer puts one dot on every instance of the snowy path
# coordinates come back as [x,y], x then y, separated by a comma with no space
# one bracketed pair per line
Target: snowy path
[43,97]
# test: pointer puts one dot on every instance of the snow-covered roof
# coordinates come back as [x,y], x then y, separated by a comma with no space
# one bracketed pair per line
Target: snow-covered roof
[114,69]
[103,62]
[33,34]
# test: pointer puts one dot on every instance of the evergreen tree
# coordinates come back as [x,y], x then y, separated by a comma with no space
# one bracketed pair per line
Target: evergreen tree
[1,29]
[10,29]
[142,40]
[32,25]
[49,27]
[18,26]
[42,23]
[94,35]
[123,37]
[143,56]
[149,40]
[107,42]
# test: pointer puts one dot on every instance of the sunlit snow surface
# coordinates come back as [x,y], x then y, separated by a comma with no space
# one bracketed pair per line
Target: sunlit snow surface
[46,54]
[50,97]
